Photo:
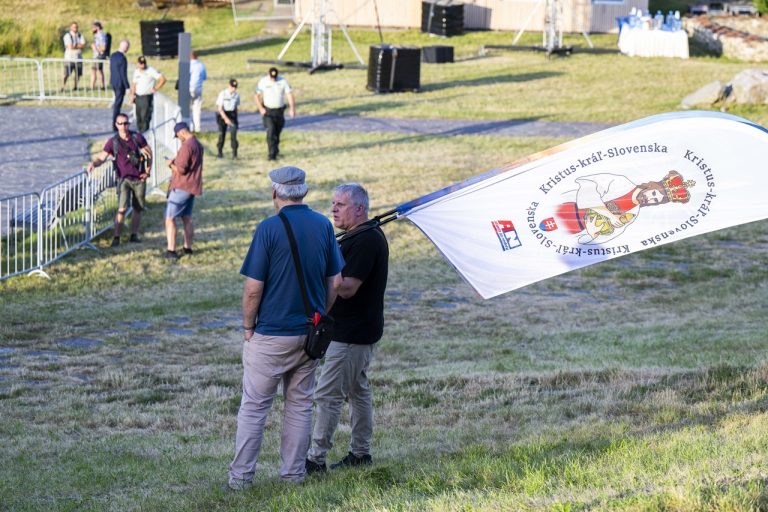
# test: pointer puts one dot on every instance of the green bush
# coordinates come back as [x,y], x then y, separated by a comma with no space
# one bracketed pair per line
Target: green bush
[39,39]
[762,6]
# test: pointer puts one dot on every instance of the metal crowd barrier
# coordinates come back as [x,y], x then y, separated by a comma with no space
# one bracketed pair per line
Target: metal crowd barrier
[25,78]
[20,78]
[52,72]
[19,234]
[162,140]
[37,229]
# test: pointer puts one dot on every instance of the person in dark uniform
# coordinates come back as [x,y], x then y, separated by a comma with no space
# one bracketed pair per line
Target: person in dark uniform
[271,93]
[226,116]
[118,78]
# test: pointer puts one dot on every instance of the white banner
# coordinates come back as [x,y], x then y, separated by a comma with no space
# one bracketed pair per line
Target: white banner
[619,191]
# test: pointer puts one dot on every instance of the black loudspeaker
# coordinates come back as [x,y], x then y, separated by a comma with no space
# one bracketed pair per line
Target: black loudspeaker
[437,54]
[442,17]
[160,38]
[394,68]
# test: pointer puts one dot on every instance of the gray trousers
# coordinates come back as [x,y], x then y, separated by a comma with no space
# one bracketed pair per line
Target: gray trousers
[268,361]
[344,377]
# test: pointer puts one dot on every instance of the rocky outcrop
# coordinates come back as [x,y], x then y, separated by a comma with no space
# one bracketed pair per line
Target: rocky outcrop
[749,87]
[706,96]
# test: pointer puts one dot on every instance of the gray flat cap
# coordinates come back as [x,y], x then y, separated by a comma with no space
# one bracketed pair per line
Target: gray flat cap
[287,175]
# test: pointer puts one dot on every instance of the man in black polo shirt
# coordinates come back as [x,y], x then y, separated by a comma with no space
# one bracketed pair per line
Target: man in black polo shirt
[359,314]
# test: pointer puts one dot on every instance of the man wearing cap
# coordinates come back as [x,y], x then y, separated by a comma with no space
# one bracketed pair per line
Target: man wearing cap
[186,183]
[118,78]
[99,47]
[275,327]
[132,163]
[146,82]
[226,116]
[271,93]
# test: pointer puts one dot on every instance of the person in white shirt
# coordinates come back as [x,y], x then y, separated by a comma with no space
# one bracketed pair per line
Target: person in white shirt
[226,116]
[146,82]
[271,93]
[99,47]
[197,75]
[74,42]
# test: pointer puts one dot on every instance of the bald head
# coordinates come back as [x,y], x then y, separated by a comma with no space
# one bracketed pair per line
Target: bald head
[124,45]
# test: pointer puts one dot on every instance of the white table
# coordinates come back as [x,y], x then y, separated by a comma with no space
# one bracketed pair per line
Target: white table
[653,43]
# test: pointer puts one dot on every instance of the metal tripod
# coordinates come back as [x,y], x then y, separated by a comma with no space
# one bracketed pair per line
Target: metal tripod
[322,57]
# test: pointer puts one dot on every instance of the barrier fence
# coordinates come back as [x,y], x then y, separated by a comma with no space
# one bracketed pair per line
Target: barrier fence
[37,229]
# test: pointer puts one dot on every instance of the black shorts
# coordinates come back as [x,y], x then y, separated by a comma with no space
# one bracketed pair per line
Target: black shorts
[70,67]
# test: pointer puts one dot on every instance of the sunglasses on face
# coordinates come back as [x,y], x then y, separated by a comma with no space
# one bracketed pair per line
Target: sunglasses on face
[121,124]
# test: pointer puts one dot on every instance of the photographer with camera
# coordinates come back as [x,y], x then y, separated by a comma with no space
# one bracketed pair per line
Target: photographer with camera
[133,159]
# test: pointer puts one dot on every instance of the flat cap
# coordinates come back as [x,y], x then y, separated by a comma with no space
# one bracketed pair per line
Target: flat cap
[287,175]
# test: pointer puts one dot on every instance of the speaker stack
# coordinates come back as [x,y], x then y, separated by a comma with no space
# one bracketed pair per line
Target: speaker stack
[437,54]
[160,38]
[442,17]
[394,68]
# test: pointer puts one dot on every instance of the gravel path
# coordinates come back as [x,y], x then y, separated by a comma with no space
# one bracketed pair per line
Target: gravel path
[41,145]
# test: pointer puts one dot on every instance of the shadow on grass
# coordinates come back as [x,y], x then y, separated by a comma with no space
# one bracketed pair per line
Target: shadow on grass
[490,80]
[255,43]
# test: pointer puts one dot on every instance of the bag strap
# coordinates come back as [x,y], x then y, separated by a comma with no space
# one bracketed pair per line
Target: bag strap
[297,265]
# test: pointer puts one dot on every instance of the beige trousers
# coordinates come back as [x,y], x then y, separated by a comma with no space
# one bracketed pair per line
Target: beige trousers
[267,362]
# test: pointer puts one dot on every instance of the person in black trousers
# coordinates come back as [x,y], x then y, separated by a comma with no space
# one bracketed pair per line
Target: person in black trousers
[271,93]
[118,78]
[226,116]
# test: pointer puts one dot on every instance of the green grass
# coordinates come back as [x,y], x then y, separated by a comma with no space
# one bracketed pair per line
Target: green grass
[591,390]
[637,384]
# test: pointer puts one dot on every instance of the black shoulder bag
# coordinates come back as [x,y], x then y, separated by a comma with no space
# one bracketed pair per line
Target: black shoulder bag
[319,327]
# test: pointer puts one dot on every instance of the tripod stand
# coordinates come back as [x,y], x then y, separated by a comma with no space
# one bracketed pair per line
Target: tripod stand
[321,44]
[552,35]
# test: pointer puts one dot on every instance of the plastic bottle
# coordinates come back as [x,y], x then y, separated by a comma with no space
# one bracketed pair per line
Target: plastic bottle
[658,20]
[669,21]
[633,20]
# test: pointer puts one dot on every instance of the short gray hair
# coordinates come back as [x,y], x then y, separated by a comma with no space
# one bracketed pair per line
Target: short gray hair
[356,193]
[290,192]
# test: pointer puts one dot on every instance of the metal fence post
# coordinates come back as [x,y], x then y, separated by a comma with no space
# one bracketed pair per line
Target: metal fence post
[40,81]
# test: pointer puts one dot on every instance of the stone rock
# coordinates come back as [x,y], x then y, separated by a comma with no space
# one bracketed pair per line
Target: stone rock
[705,97]
[749,87]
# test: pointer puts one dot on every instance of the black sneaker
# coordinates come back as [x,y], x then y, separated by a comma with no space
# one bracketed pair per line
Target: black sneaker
[313,467]
[188,251]
[115,241]
[170,255]
[352,460]
[219,155]
[134,239]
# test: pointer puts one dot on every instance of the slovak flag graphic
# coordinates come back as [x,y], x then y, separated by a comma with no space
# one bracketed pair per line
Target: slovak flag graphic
[548,224]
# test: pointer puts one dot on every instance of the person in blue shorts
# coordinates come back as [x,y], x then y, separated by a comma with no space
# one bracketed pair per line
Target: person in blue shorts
[186,183]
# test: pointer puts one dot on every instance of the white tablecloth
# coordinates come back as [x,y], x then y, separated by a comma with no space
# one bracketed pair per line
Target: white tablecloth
[653,43]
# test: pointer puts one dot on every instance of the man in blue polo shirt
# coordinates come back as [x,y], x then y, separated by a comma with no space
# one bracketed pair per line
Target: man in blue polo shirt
[275,325]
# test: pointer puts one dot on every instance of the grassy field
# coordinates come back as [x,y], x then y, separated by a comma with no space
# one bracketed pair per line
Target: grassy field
[637,384]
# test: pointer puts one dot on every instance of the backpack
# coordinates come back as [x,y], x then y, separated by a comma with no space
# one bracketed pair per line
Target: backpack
[107,45]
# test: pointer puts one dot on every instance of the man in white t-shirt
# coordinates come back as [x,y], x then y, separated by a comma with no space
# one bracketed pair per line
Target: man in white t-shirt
[271,93]
[146,82]
[74,42]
